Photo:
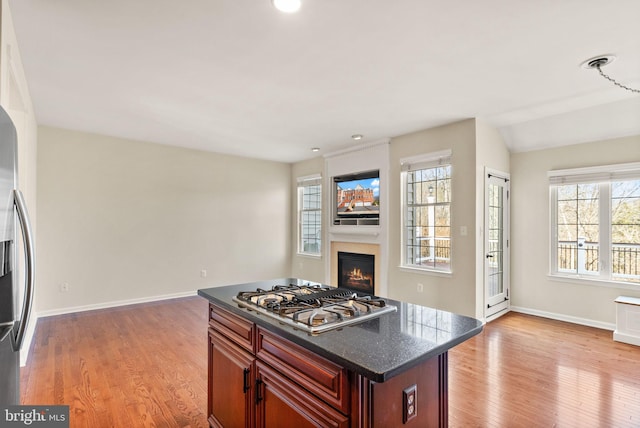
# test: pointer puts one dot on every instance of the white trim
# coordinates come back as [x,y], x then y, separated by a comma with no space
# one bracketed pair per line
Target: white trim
[566,318]
[426,160]
[28,338]
[628,300]
[626,338]
[583,280]
[310,255]
[114,304]
[496,315]
[426,271]
[304,181]
[595,174]
[493,306]
[359,147]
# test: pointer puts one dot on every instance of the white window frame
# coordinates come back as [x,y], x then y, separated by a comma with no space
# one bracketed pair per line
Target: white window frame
[602,176]
[305,182]
[415,163]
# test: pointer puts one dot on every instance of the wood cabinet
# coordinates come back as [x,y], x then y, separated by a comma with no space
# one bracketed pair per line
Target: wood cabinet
[259,379]
[282,403]
[231,380]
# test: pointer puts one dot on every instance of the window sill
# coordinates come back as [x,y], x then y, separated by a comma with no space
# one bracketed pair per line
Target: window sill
[594,282]
[310,255]
[423,271]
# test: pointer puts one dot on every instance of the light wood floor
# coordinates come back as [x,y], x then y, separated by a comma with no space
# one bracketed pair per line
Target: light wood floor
[526,371]
[134,366]
[145,366]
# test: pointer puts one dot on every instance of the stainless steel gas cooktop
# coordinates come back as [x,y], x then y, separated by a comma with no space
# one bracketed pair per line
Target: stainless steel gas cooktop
[313,308]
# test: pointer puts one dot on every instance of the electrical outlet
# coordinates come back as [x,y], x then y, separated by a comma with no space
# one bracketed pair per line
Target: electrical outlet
[409,403]
[203,273]
[420,288]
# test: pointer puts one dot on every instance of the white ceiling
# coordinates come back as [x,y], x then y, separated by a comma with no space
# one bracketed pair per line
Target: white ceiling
[239,77]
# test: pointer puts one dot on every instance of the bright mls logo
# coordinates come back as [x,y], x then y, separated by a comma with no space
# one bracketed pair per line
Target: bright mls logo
[34,416]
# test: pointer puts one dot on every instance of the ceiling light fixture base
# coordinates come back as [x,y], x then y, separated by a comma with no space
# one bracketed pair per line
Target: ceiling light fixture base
[598,61]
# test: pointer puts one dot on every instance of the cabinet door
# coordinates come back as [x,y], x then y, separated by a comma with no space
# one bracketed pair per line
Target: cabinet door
[231,380]
[283,404]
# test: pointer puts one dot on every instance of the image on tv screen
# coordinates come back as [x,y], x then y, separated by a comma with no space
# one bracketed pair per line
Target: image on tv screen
[358,198]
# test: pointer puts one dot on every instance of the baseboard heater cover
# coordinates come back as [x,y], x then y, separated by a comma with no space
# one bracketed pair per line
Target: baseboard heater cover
[627,320]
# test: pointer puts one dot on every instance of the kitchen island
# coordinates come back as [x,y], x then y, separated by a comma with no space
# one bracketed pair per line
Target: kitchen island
[386,371]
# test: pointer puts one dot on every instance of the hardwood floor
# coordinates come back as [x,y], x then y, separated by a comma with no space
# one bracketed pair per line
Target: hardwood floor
[146,366]
[526,371]
[134,366]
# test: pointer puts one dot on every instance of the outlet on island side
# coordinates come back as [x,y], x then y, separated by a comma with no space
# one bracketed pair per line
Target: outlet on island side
[420,288]
[409,403]
[203,273]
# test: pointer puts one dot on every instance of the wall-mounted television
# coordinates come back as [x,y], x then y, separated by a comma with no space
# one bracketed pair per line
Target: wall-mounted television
[357,195]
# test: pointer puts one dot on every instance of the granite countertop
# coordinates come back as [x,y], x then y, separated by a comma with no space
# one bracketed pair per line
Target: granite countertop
[379,348]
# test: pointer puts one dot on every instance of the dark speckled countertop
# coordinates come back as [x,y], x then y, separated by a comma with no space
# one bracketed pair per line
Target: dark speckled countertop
[379,348]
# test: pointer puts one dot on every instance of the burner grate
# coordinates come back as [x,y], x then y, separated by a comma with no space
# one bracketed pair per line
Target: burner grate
[333,293]
[314,307]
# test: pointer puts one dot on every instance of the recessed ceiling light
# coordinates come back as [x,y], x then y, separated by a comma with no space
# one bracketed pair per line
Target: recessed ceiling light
[357,137]
[287,6]
[315,149]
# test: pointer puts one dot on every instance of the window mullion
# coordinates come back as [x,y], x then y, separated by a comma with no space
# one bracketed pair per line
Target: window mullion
[553,203]
[605,231]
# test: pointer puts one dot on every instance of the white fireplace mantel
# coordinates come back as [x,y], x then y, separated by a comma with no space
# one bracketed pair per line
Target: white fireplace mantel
[368,238]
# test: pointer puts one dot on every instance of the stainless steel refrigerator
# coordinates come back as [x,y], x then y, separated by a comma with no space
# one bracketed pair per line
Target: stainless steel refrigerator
[15,298]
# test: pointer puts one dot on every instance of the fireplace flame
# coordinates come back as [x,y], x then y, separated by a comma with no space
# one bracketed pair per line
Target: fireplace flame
[356,273]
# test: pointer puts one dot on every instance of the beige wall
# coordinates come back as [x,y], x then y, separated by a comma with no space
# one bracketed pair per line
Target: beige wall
[474,146]
[532,288]
[303,266]
[455,292]
[123,220]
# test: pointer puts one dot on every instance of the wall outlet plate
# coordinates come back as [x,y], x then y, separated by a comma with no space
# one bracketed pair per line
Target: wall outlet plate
[409,403]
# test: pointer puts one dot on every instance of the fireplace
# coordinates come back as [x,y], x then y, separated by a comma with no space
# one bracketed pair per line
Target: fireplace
[356,271]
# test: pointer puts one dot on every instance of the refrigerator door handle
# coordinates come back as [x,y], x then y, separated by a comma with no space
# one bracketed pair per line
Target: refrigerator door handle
[29,250]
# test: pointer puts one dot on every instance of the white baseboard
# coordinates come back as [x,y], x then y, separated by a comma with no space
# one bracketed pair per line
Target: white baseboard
[566,318]
[31,328]
[626,338]
[28,338]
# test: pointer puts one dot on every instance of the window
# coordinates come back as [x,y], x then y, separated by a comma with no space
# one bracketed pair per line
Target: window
[309,215]
[426,228]
[596,223]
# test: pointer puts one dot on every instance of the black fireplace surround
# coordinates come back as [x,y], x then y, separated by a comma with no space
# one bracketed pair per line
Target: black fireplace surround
[356,272]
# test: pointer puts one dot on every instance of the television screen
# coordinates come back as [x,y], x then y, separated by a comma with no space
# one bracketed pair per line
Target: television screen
[358,195]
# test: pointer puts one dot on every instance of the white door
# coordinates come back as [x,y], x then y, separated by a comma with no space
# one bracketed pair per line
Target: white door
[496,244]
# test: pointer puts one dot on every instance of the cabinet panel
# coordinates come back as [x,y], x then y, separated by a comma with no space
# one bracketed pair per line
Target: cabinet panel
[283,404]
[231,380]
[430,379]
[322,377]
[234,327]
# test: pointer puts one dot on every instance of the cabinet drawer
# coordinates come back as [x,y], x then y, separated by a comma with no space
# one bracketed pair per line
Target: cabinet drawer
[236,328]
[323,378]
[283,403]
